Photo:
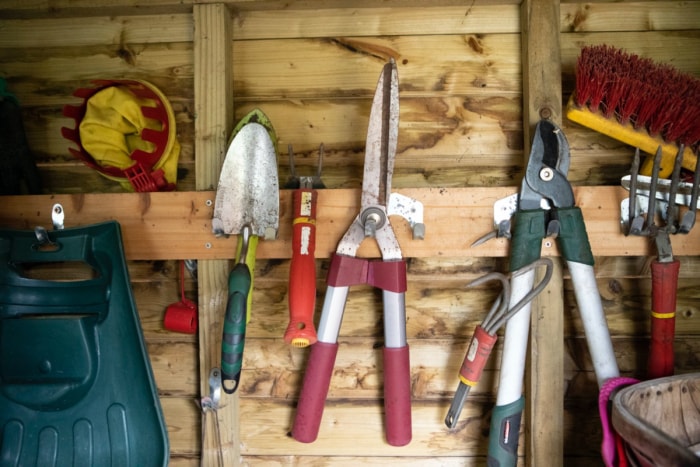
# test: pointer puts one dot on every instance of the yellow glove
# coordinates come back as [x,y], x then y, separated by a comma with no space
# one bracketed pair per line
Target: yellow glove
[111,130]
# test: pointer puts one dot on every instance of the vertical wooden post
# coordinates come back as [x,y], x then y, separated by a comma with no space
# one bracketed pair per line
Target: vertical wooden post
[545,386]
[213,97]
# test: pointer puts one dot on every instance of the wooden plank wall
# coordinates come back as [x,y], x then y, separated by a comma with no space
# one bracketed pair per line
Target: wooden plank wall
[313,71]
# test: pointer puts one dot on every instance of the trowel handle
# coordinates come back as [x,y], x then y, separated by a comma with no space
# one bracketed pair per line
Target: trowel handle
[302,270]
[234,327]
[664,282]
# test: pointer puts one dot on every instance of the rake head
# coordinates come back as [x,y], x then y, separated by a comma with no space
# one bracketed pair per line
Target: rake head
[653,198]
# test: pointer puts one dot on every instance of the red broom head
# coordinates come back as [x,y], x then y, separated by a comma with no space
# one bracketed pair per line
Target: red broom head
[635,90]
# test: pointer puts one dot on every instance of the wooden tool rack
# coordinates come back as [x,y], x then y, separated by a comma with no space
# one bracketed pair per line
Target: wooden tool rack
[474,78]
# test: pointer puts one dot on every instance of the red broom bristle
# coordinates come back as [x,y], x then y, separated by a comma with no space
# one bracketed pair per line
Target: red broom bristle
[633,89]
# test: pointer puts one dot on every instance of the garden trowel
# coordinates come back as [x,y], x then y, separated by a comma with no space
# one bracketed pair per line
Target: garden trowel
[247,205]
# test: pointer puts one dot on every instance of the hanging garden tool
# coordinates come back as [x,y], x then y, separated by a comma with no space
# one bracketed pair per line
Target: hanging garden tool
[388,274]
[302,270]
[247,205]
[662,197]
[125,129]
[544,207]
[485,337]
[181,316]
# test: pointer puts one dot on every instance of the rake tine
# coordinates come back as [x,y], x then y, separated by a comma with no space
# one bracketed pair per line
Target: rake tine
[652,190]
[671,208]
[689,217]
[636,222]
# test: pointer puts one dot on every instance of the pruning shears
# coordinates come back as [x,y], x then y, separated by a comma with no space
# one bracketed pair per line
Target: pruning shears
[543,208]
[388,274]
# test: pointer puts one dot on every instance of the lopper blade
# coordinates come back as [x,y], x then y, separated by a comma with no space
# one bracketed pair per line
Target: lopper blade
[547,168]
[382,136]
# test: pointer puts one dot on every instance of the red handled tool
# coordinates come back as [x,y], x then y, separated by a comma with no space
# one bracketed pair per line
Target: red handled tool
[664,270]
[181,316]
[302,270]
[485,336]
[388,274]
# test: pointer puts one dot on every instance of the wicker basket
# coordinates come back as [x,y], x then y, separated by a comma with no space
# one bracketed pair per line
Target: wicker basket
[660,421]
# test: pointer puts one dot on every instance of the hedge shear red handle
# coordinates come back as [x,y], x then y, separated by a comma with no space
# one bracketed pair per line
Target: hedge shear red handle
[344,272]
[664,283]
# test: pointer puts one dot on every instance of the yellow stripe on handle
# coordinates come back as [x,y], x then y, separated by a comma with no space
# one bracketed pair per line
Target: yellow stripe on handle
[663,315]
[304,220]
[467,382]
[638,138]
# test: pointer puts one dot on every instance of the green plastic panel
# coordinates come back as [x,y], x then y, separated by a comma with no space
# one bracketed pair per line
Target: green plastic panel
[76,385]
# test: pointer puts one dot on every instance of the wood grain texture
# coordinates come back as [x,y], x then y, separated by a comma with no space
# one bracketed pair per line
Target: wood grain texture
[312,66]
[213,124]
[544,434]
[178,225]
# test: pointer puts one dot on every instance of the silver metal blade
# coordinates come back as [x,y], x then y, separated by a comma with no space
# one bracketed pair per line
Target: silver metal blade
[248,191]
[382,136]
[457,405]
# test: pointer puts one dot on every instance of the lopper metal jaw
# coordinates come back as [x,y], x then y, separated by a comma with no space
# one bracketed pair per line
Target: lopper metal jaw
[388,274]
[544,185]
[545,176]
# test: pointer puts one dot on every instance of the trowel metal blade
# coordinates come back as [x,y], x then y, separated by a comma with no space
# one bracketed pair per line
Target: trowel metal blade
[248,191]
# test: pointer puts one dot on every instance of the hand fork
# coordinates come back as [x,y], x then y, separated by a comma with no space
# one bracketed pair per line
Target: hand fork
[664,270]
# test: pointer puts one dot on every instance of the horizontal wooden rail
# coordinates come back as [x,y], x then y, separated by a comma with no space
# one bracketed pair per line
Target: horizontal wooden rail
[159,226]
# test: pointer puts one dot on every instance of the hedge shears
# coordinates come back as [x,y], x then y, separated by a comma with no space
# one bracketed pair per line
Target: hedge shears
[388,274]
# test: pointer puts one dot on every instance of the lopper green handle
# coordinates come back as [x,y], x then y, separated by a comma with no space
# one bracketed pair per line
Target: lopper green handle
[240,285]
[573,238]
[505,430]
[528,232]
[576,250]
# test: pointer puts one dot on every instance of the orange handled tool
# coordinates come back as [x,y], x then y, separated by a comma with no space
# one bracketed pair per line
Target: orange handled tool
[302,270]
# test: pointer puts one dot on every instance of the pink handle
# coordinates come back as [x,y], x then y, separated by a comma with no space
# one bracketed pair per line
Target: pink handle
[314,390]
[397,395]
[664,282]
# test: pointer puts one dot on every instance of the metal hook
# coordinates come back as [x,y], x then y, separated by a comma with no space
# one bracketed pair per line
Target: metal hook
[499,313]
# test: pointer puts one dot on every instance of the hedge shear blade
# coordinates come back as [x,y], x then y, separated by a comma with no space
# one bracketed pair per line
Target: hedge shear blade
[388,274]
[544,208]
